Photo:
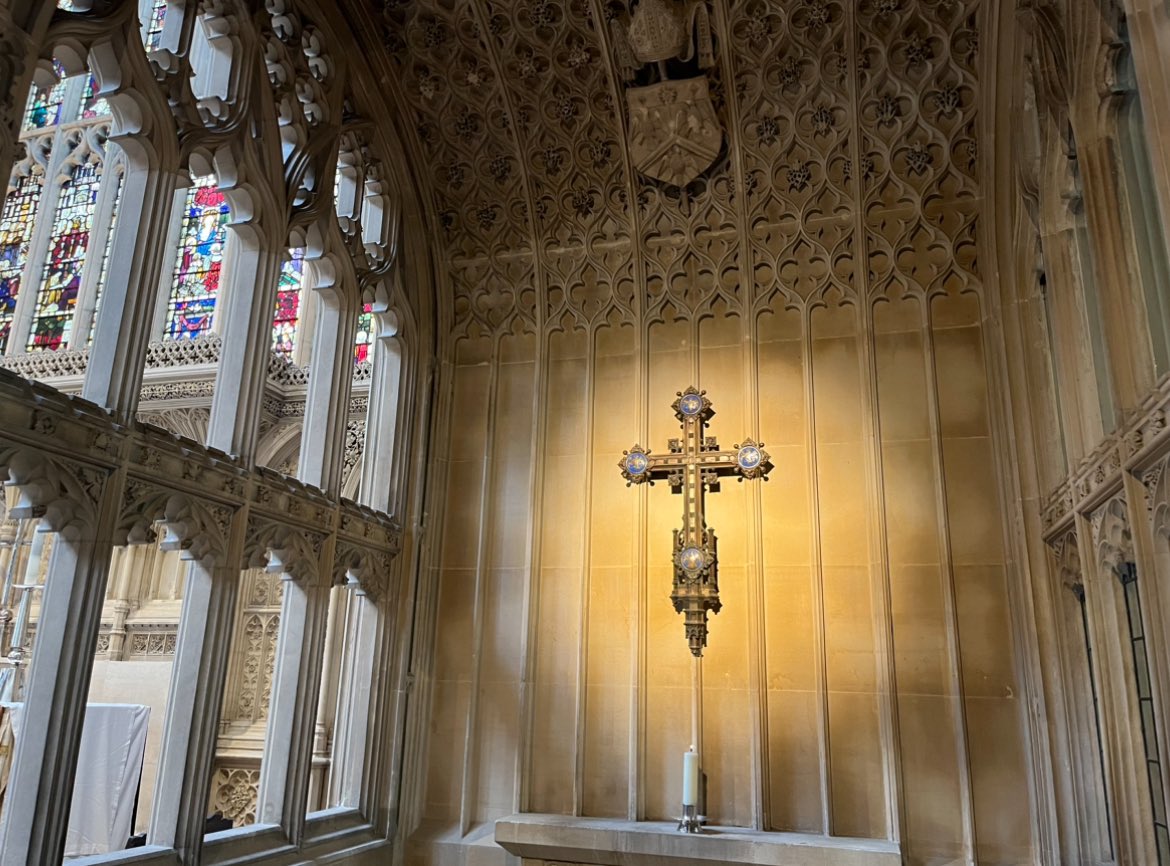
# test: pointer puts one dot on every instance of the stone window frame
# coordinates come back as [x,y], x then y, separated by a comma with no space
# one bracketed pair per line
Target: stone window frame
[104,468]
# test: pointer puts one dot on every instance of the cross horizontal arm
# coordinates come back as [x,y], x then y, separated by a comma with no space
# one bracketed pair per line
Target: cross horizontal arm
[718,460]
[660,464]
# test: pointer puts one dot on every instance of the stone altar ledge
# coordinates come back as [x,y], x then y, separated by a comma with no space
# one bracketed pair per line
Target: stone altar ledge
[613,842]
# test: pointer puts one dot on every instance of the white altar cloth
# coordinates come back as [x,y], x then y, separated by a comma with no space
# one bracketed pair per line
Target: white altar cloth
[109,764]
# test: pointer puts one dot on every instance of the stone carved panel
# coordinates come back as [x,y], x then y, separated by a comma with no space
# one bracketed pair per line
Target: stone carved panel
[797,137]
[917,127]
[461,117]
[234,793]
[153,644]
[254,647]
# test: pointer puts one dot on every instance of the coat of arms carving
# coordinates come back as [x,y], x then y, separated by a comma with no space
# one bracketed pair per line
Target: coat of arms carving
[674,132]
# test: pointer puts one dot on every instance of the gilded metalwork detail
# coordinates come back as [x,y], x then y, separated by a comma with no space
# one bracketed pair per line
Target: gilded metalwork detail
[694,467]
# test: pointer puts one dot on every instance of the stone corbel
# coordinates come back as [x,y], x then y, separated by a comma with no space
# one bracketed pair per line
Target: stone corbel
[62,495]
[198,531]
[1112,537]
[361,570]
[293,553]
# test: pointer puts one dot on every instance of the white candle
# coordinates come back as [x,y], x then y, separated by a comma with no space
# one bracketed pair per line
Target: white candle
[690,778]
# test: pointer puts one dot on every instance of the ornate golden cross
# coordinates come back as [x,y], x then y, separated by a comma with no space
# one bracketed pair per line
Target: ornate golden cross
[693,467]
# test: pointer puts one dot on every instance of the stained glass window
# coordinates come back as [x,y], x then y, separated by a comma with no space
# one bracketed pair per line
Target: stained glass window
[288,301]
[16,226]
[201,241]
[93,105]
[105,271]
[365,335]
[45,104]
[72,220]
[154,25]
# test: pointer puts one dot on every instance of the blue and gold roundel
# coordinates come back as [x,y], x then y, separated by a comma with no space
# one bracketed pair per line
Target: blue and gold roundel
[690,558]
[636,462]
[690,404]
[749,457]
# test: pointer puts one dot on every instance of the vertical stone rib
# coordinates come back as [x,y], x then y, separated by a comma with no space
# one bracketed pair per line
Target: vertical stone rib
[757,649]
[636,751]
[483,552]
[536,483]
[582,686]
[950,605]
[879,575]
[817,576]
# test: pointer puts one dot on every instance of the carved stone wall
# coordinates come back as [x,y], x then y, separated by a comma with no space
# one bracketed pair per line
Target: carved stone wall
[820,281]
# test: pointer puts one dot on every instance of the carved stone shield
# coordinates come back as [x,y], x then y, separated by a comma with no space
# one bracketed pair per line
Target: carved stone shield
[674,133]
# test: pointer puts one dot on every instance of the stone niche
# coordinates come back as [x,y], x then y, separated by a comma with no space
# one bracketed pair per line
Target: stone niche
[860,681]
[871,555]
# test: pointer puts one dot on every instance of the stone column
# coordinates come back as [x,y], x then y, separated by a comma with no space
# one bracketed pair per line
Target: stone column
[251,265]
[57,686]
[351,731]
[196,696]
[288,742]
[1072,354]
[288,748]
[334,660]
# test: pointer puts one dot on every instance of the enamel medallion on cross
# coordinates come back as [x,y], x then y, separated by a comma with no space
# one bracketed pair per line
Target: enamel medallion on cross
[693,467]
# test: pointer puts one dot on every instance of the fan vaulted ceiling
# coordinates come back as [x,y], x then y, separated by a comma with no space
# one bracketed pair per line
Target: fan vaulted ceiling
[849,129]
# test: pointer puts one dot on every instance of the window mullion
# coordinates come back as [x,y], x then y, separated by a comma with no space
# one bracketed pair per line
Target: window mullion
[170,262]
[38,247]
[92,271]
[113,377]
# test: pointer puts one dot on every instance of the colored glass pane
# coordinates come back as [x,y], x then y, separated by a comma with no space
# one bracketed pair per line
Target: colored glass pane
[288,301]
[105,271]
[45,104]
[154,25]
[93,105]
[16,227]
[57,296]
[197,270]
[365,335]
